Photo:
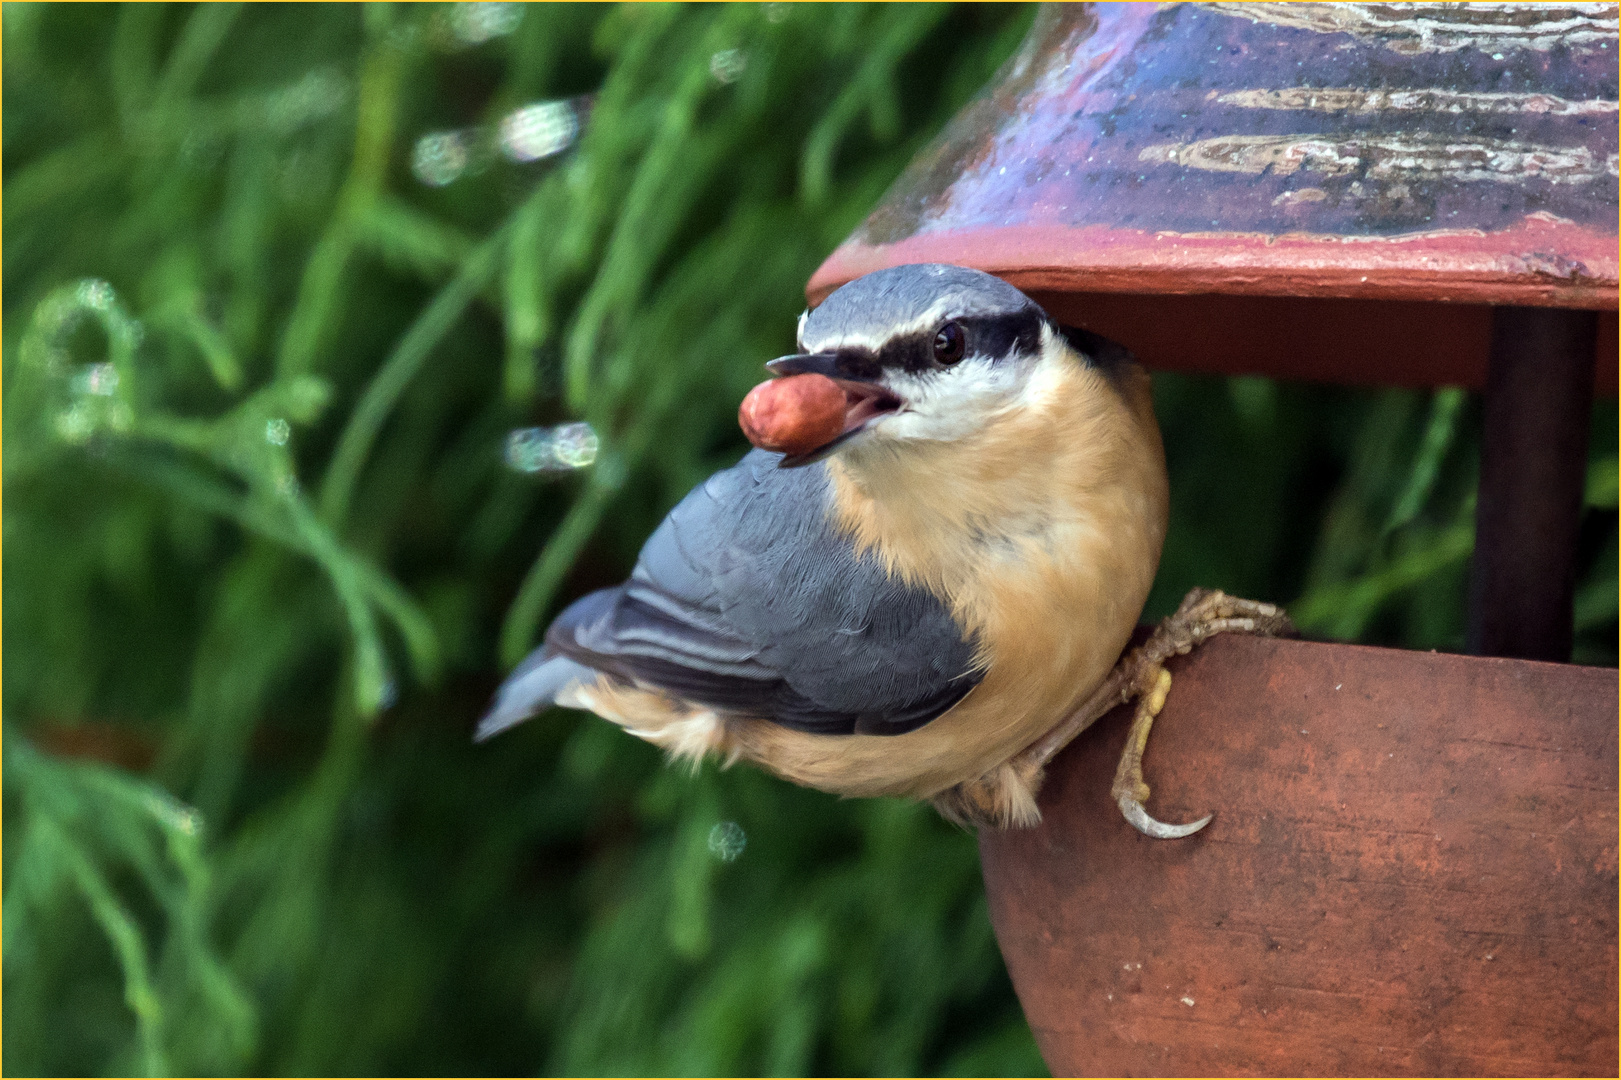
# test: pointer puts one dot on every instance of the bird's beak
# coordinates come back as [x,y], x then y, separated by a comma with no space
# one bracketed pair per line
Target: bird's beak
[808,364]
[865,398]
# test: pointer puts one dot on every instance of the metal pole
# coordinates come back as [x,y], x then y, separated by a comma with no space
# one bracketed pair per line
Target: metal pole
[1533,464]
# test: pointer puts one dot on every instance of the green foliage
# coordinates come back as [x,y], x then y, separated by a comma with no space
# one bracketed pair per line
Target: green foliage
[265,566]
[263,551]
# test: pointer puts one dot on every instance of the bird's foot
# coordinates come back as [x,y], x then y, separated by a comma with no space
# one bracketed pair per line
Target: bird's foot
[1141,674]
[1203,614]
[1129,790]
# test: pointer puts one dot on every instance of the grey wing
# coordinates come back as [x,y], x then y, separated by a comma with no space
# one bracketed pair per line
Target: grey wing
[747,600]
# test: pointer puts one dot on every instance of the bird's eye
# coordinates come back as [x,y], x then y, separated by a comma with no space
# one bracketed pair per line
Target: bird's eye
[950,344]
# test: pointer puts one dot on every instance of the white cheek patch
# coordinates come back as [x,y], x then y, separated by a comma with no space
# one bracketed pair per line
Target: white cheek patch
[954,403]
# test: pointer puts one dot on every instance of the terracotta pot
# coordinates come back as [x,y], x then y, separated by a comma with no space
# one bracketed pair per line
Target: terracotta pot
[1411,871]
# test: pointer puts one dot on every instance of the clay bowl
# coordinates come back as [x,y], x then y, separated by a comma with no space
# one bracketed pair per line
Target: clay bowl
[1411,871]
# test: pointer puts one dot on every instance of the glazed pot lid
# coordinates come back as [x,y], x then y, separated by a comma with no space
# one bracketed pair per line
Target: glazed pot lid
[1382,153]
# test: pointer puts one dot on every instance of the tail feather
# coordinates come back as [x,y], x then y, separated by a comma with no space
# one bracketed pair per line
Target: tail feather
[529,689]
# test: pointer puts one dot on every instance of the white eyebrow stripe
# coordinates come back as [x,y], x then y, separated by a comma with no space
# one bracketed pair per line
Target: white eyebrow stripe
[850,341]
[937,313]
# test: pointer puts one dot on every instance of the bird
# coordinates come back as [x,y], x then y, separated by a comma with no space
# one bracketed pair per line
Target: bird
[930,603]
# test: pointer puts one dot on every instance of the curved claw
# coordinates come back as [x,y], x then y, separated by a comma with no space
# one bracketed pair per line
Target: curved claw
[1159,830]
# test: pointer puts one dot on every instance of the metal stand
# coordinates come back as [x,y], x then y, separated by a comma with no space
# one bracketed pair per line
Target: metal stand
[1539,398]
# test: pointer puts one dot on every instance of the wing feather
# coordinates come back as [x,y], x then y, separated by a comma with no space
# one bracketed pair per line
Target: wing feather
[748,600]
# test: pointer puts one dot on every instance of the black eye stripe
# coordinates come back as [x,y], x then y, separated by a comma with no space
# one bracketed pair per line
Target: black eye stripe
[994,336]
[912,353]
[998,335]
[860,363]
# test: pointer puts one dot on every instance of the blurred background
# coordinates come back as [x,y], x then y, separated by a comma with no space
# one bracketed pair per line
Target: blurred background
[342,347]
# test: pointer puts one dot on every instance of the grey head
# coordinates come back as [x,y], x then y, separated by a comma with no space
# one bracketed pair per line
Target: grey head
[923,352]
[888,310]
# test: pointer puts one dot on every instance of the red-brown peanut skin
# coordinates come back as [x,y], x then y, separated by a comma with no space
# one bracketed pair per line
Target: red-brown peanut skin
[794,415]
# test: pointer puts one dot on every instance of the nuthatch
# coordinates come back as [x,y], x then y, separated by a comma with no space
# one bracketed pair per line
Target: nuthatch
[930,604]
